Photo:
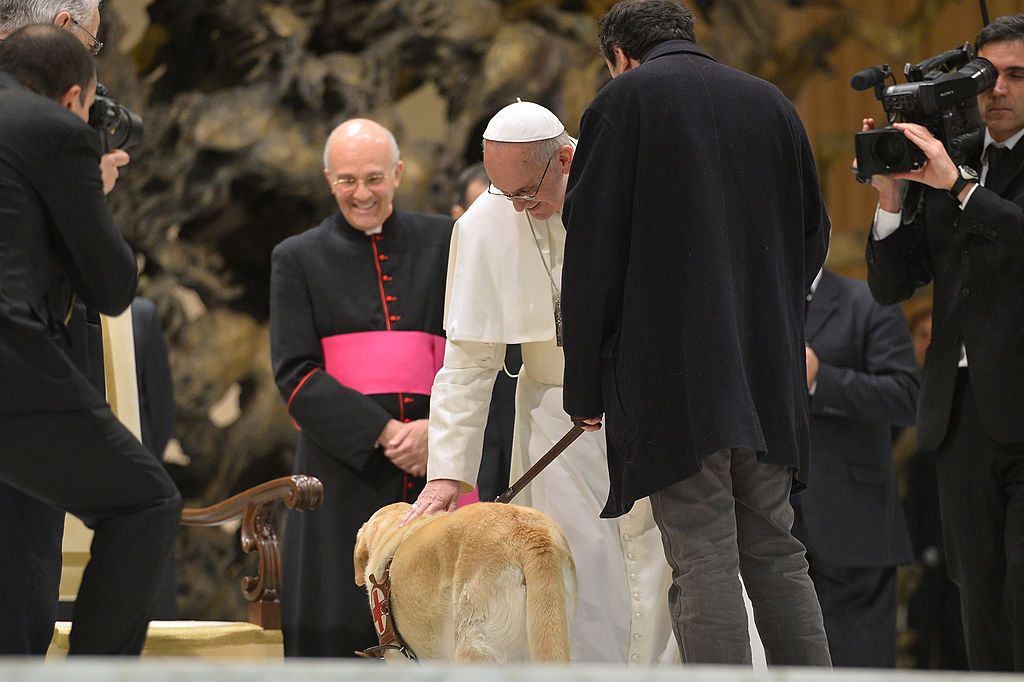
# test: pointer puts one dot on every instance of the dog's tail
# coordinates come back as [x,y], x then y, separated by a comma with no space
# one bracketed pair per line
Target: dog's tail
[550,603]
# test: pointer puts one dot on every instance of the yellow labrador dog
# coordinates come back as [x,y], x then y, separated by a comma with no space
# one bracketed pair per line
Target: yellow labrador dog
[488,582]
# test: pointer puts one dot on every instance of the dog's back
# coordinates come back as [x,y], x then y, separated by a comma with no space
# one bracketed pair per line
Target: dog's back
[488,582]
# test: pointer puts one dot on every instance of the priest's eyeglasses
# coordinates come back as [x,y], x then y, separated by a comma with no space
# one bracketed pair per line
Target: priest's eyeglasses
[94,43]
[524,197]
[348,183]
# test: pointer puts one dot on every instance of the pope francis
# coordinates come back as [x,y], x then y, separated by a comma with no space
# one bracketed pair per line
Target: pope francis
[504,276]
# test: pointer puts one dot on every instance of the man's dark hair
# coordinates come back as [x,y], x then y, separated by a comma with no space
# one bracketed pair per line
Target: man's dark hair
[1001,30]
[47,60]
[469,174]
[636,26]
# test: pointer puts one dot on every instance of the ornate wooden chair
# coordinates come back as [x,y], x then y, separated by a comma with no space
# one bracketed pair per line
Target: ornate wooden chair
[261,635]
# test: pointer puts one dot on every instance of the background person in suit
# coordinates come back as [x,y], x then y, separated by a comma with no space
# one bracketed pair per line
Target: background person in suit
[967,236]
[863,381]
[61,443]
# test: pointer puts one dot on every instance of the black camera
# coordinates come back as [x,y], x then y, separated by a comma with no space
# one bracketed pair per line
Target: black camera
[941,94]
[119,126]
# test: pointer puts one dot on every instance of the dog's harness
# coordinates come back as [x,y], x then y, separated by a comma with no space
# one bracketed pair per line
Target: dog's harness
[383,621]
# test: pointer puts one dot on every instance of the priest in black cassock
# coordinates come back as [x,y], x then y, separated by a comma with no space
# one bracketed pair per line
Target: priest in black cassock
[356,338]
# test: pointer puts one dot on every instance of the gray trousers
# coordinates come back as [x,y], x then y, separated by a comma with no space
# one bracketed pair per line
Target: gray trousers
[734,518]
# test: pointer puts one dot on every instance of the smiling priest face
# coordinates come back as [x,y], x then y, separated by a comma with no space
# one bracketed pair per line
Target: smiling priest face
[363,170]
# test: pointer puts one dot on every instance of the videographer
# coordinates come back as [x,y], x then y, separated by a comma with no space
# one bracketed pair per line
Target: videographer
[966,234]
[61,443]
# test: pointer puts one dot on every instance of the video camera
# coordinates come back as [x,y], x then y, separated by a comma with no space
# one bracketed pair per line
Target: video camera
[940,93]
[119,127]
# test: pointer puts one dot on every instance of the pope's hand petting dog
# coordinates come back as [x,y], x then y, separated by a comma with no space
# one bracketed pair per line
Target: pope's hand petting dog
[406,445]
[438,495]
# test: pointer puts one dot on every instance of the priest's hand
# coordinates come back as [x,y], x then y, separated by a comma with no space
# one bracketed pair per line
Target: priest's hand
[406,446]
[438,495]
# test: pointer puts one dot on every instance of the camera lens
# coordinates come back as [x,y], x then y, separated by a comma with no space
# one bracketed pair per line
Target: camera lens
[890,150]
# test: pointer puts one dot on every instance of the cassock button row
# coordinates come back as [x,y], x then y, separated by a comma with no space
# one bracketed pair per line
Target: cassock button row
[390,299]
[386,278]
[637,615]
[634,658]
[637,636]
[627,537]
[630,556]
[633,576]
[383,257]
[407,400]
[394,318]
[637,596]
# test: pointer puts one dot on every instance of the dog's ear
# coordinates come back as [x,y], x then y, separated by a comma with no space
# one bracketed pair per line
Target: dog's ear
[360,557]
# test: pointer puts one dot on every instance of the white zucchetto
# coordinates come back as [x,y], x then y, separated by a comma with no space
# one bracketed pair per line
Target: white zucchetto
[523,122]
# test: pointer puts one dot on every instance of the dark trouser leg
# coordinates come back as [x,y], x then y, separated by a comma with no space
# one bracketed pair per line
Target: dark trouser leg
[773,565]
[30,563]
[981,496]
[87,463]
[859,607]
[735,515]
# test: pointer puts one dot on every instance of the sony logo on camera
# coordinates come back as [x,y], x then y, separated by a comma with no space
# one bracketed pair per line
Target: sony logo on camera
[941,95]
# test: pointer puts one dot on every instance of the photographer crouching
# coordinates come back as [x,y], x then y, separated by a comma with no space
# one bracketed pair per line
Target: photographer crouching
[965,233]
[60,441]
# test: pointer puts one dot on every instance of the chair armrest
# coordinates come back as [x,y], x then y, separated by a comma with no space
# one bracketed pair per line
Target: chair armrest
[255,507]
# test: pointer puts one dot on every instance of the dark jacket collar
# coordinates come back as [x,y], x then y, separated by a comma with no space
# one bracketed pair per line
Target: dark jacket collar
[675,47]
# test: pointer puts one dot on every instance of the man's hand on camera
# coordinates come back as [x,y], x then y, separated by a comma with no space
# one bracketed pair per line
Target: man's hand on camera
[938,171]
[888,187]
[109,163]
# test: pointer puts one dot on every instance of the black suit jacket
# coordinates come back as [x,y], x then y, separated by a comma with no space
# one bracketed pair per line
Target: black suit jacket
[976,260]
[57,241]
[695,225]
[851,515]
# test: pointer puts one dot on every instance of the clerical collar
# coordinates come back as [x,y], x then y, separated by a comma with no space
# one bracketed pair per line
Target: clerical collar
[1009,144]
[376,230]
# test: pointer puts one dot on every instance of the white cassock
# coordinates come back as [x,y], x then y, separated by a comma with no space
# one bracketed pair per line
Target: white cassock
[499,292]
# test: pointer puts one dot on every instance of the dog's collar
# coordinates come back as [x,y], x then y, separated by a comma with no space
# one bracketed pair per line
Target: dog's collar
[383,621]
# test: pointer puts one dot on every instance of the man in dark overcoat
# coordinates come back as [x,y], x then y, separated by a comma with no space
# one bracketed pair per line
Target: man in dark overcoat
[863,381]
[356,338]
[695,228]
[965,235]
[61,444]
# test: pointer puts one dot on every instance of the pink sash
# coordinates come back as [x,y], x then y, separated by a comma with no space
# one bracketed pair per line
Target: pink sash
[384,362]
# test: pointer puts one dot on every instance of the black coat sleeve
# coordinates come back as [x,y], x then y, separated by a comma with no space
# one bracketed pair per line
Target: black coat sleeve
[596,255]
[899,264]
[95,256]
[884,388]
[341,421]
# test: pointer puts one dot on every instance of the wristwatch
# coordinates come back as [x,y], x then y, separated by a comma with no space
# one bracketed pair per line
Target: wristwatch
[967,174]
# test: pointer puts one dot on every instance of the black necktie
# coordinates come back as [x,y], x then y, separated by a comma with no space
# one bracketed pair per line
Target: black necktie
[994,157]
